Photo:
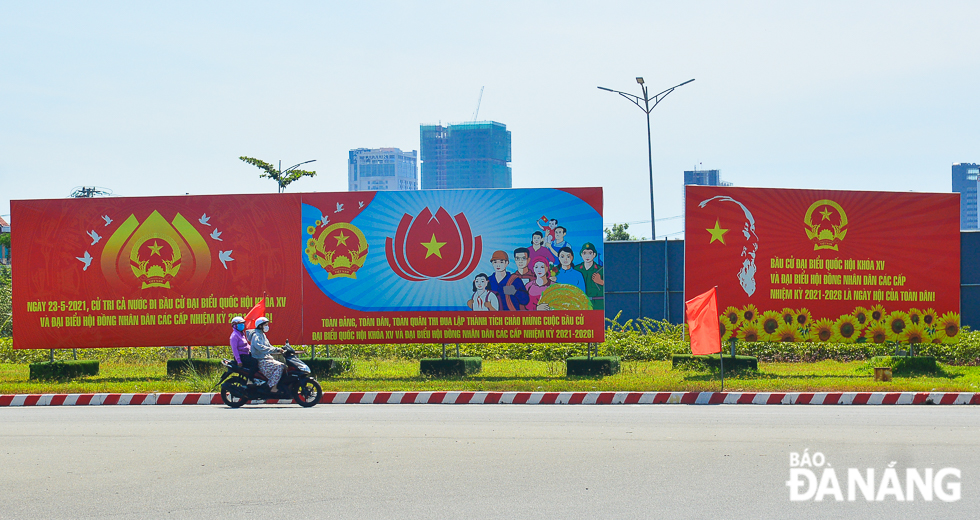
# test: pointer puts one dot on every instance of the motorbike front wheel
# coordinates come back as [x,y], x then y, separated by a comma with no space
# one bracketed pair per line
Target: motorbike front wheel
[233,392]
[307,393]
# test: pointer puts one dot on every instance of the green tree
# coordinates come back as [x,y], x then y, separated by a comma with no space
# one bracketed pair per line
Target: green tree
[5,240]
[283,178]
[6,322]
[619,232]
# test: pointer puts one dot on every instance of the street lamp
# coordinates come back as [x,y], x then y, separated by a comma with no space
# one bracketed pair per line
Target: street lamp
[291,168]
[647,108]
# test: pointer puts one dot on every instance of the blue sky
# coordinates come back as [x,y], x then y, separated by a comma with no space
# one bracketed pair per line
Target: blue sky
[162,98]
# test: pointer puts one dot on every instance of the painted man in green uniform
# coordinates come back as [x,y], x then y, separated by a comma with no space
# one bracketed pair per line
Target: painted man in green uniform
[593,276]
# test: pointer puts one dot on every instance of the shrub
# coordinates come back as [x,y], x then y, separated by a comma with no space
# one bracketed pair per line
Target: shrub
[176,367]
[450,366]
[905,364]
[327,367]
[714,362]
[63,369]
[594,366]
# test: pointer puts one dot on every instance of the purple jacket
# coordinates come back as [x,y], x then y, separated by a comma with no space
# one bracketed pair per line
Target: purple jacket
[239,345]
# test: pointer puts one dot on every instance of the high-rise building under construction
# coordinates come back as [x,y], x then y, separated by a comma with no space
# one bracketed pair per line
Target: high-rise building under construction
[465,155]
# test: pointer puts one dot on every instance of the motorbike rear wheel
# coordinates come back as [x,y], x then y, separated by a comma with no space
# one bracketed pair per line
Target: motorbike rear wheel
[307,393]
[232,391]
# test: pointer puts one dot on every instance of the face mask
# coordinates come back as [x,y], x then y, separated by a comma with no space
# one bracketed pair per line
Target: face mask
[240,326]
[265,328]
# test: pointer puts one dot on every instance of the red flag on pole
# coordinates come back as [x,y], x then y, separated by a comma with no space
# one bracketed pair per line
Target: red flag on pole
[257,312]
[702,318]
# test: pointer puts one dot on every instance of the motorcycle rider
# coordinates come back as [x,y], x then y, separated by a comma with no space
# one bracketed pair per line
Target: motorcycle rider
[239,345]
[262,350]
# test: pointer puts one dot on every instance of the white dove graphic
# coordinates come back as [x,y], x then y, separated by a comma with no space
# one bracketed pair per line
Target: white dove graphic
[87,259]
[204,219]
[324,220]
[360,204]
[216,235]
[225,256]
[107,219]
[340,207]
[95,237]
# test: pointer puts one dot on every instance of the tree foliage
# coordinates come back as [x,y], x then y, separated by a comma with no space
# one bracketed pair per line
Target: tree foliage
[619,232]
[283,179]
[6,322]
[5,239]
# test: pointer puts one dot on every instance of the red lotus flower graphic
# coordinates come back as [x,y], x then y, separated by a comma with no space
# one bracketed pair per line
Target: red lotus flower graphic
[433,246]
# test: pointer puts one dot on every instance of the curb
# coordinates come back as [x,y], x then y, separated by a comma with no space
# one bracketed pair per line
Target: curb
[802,398]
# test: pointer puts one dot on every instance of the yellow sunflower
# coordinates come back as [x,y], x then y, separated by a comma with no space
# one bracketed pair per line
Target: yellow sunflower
[878,312]
[915,317]
[787,332]
[749,313]
[846,329]
[749,332]
[929,318]
[876,332]
[769,322]
[802,318]
[822,330]
[862,315]
[948,327]
[787,315]
[915,333]
[731,317]
[895,323]
[725,329]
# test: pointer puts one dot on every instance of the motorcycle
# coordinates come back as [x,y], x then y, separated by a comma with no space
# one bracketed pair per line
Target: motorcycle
[241,385]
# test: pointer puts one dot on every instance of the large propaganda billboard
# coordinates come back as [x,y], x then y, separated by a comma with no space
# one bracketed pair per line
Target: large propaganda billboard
[446,266]
[821,265]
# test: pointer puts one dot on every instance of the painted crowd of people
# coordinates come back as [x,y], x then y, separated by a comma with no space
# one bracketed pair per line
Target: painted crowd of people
[549,259]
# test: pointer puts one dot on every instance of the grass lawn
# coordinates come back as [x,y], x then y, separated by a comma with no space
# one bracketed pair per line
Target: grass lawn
[540,376]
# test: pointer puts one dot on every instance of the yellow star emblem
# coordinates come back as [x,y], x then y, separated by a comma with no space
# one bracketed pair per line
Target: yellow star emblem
[341,239]
[825,214]
[155,248]
[433,247]
[717,233]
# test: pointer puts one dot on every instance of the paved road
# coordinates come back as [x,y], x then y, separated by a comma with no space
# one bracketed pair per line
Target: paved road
[442,461]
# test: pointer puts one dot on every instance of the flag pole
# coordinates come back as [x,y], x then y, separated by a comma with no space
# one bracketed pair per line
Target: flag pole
[721,359]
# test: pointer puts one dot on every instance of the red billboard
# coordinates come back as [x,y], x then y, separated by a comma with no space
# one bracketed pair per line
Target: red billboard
[821,265]
[445,266]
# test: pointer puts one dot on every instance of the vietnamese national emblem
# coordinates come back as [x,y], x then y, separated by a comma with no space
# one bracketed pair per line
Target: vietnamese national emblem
[340,249]
[156,253]
[826,224]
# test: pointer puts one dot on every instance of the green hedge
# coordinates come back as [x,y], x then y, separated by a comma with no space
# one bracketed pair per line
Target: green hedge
[634,340]
[175,367]
[594,366]
[731,363]
[63,369]
[327,367]
[450,366]
[906,364]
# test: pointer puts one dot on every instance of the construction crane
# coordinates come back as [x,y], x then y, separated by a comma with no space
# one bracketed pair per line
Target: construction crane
[478,100]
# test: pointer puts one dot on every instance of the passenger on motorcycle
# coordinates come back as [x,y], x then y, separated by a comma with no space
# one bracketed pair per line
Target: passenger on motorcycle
[262,351]
[239,345]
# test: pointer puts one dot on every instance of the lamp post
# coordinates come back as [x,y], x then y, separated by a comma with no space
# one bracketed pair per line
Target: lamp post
[647,108]
[291,168]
